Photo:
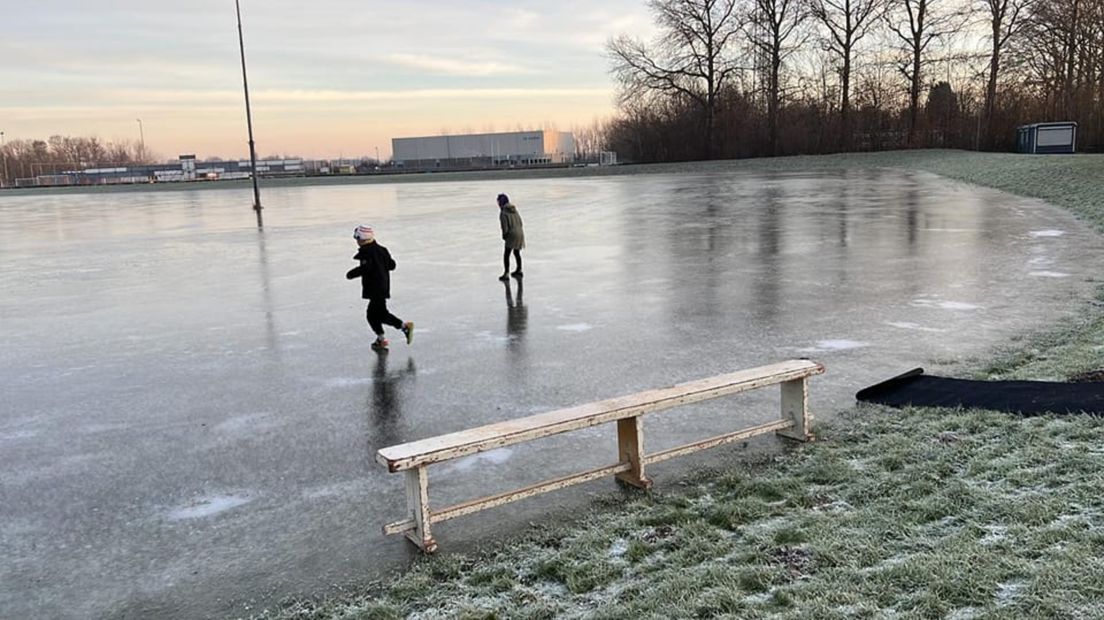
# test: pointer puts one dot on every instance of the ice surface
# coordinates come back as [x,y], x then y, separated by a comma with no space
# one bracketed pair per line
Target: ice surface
[189,407]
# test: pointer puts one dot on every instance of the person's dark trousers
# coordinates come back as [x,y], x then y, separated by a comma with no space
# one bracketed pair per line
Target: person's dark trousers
[506,259]
[378,316]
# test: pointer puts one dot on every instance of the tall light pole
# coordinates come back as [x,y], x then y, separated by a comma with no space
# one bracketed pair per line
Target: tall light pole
[142,138]
[4,152]
[249,118]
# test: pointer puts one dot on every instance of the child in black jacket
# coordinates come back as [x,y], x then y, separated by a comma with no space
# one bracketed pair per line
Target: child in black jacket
[374,272]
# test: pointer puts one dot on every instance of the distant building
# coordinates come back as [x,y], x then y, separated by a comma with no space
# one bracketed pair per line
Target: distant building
[187,168]
[518,148]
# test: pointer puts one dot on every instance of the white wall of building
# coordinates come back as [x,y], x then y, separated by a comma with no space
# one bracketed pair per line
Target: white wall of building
[523,145]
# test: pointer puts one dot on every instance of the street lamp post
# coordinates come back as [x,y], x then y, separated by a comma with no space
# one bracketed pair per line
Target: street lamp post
[142,139]
[4,152]
[248,118]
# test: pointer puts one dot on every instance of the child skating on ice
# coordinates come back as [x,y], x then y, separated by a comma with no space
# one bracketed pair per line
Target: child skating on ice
[374,272]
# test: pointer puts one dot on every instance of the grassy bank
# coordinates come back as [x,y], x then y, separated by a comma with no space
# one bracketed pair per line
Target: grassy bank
[893,514]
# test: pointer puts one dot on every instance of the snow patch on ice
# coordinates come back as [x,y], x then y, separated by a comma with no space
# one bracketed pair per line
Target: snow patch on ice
[494,457]
[343,382]
[488,336]
[208,506]
[834,345]
[913,326]
[576,327]
[944,305]
[92,429]
[1049,274]
[1046,233]
[337,489]
[245,422]
[17,435]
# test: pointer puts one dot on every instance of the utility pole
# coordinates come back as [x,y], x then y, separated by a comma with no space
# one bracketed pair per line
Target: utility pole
[249,119]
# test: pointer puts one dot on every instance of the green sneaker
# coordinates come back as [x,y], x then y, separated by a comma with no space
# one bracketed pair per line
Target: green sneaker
[408,329]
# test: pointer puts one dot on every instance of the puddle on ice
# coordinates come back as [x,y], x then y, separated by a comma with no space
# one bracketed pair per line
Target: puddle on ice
[1049,274]
[208,506]
[1046,233]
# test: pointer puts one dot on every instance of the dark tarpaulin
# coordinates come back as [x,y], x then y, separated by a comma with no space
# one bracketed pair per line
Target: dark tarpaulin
[916,389]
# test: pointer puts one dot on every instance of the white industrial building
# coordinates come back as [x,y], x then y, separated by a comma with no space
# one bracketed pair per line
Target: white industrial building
[518,148]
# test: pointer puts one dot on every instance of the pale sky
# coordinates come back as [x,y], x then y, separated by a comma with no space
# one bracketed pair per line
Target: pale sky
[327,78]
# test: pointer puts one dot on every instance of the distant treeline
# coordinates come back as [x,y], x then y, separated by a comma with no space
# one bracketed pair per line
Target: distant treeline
[746,78]
[21,159]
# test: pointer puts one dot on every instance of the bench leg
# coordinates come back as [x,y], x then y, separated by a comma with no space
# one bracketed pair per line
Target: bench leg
[795,407]
[630,442]
[417,500]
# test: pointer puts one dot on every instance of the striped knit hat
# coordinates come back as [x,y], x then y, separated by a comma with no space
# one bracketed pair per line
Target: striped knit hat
[364,233]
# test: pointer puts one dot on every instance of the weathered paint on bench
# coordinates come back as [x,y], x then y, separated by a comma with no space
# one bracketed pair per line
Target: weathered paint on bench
[414,457]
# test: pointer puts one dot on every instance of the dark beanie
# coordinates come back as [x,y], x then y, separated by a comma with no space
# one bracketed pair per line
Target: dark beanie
[503,200]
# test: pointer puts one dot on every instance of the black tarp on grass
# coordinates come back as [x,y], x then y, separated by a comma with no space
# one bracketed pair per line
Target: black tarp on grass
[916,389]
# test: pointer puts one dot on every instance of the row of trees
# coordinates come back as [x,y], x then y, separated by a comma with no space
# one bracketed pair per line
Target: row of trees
[733,78]
[20,159]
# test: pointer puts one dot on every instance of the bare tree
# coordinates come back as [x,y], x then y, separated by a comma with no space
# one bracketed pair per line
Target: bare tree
[917,24]
[1006,19]
[772,30]
[590,140]
[692,57]
[845,23]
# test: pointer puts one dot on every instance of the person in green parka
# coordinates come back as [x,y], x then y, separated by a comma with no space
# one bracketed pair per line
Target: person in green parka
[512,234]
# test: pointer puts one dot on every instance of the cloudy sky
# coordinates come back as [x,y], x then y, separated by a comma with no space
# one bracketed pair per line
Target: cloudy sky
[327,78]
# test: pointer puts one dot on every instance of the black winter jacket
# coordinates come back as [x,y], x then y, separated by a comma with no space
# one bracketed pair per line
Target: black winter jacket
[374,271]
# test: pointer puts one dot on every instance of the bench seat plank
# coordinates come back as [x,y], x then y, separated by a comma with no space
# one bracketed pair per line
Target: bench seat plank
[499,434]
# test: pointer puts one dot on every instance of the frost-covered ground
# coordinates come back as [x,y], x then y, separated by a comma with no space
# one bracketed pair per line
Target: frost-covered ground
[926,514]
[922,513]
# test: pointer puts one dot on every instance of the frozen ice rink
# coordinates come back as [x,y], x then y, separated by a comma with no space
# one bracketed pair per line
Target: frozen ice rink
[189,407]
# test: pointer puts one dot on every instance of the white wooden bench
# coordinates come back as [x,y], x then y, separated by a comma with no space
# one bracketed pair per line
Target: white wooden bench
[415,457]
